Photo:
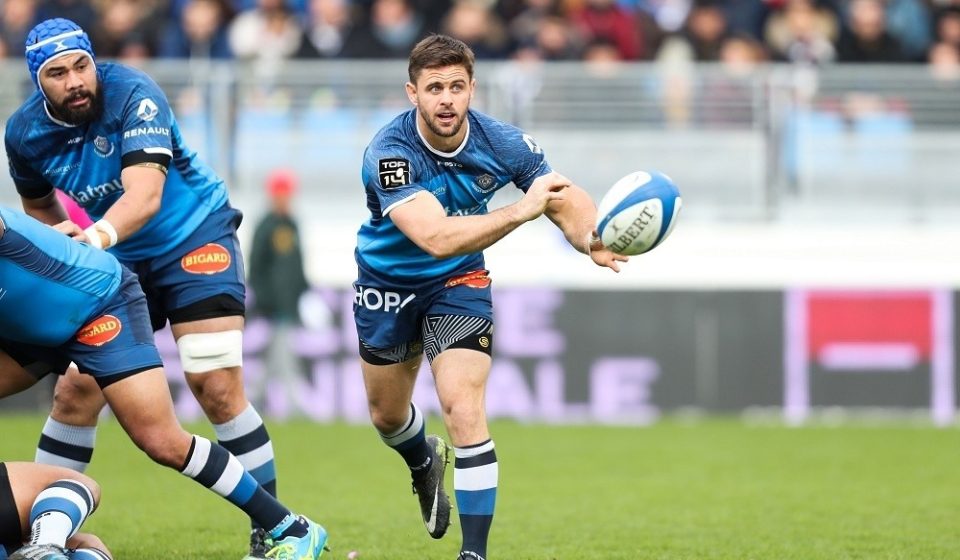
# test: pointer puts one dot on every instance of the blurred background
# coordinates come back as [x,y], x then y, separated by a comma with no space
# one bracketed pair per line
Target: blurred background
[813,273]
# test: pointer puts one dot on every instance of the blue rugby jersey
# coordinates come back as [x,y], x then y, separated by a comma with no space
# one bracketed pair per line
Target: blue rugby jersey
[85,161]
[398,163]
[50,285]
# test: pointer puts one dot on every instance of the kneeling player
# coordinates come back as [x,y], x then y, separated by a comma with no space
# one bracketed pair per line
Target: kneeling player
[93,312]
[41,509]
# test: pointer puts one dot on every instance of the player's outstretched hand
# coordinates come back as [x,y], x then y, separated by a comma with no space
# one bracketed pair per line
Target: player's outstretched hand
[544,190]
[603,256]
[67,227]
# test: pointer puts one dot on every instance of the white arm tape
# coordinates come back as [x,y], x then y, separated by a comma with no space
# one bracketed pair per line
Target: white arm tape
[93,237]
[204,352]
[106,227]
[93,234]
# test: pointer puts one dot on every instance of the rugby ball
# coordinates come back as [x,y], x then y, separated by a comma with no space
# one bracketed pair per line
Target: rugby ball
[638,212]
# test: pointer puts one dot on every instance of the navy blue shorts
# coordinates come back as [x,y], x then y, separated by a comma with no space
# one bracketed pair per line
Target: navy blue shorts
[389,315]
[116,343]
[208,265]
[11,534]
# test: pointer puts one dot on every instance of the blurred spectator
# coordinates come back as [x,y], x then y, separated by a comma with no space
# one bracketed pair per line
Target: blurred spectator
[125,30]
[278,280]
[80,12]
[556,40]
[327,26]
[866,38]
[201,32]
[944,61]
[527,21]
[802,33]
[18,17]
[268,33]
[705,30]
[670,15]
[728,96]
[276,259]
[909,21]
[948,26]
[748,17]
[605,20]
[474,23]
[390,30]
[266,36]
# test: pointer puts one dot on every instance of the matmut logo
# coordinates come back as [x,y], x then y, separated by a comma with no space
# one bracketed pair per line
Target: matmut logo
[100,331]
[212,258]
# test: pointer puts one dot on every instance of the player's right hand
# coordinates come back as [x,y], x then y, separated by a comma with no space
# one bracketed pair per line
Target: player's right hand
[71,229]
[544,190]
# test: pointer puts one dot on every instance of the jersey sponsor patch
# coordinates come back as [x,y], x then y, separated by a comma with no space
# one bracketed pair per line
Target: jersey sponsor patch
[100,331]
[212,258]
[394,173]
[148,110]
[475,279]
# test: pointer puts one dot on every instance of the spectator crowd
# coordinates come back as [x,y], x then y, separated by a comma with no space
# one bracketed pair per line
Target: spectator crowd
[801,31]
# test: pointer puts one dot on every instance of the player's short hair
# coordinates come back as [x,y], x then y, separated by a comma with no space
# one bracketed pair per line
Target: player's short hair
[436,51]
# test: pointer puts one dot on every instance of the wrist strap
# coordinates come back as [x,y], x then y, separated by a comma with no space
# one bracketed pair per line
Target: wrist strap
[93,234]
[107,228]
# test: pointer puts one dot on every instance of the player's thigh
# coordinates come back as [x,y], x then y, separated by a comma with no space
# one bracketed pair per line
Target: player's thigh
[144,407]
[13,377]
[390,386]
[22,366]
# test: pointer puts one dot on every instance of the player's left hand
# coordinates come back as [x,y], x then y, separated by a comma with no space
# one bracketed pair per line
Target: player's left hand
[71,229]
[603,256]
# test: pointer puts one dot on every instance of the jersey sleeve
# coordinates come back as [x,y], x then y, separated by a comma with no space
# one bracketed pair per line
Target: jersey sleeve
[29,182]
[525,157]
[147,126]
[391,173]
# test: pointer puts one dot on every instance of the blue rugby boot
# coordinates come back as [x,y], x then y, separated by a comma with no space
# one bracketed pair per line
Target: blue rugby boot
[308,547]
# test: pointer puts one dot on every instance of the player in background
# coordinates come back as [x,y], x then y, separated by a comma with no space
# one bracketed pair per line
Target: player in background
[63,301]
[105,135]
[42,508]
[422,286]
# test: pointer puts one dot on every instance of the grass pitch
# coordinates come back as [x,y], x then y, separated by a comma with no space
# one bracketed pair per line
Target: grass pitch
[716,489]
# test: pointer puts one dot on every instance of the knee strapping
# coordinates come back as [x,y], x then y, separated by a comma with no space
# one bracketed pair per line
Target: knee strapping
[203,352]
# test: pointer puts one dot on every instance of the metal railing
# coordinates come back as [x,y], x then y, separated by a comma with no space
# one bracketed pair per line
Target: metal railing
[764,143]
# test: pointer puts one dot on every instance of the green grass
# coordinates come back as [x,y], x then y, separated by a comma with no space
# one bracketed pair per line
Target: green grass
[716,489]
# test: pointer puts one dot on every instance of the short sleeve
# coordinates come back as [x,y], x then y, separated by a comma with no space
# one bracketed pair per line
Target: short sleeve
[391,173]
[525,157]
[147,126]
[29,182]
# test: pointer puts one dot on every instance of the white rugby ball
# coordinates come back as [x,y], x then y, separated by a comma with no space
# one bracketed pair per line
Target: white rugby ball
[638,212]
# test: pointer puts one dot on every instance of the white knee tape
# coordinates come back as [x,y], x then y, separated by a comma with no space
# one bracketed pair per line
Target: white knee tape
[203,352]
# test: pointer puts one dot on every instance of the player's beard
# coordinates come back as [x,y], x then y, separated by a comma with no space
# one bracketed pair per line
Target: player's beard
[84,115]
[453,131]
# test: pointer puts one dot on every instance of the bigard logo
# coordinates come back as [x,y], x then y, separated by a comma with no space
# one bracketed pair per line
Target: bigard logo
[394,173]
[475,279]
[100,331]
[212,258]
